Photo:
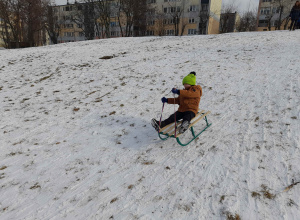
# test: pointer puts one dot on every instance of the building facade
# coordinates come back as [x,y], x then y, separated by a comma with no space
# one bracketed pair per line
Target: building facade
[274,14]
[183,17]
[161,18]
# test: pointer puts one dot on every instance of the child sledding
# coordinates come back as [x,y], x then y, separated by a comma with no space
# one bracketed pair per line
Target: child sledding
[187,114]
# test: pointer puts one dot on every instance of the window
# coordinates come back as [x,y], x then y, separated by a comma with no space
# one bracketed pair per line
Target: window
[150,33]
[151,1]
[67,18]
[204,7]
[114,33]
[192,20]
[169,21]
[68,8]
[192,31]
[79,25]
[276,10]
[192,8]
[169,32]
[151,11]
[69,34]
[151,22]
[68,26]
[263,21]
[267,0]
[81,34]
[265,11]
[171,9]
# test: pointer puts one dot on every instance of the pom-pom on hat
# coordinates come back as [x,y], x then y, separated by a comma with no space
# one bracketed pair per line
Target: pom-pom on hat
[190,79]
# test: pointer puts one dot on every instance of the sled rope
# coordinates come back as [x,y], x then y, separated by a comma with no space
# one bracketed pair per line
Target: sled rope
[174,114]
[161,113]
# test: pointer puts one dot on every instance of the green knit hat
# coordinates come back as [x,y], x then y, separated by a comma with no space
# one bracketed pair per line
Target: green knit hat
[190,79]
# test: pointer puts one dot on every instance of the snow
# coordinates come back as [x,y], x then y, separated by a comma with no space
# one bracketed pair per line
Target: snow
[76,140]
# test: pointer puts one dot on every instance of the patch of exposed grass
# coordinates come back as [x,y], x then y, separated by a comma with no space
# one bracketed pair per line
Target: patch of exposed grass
[91,93]
[147,162]
[114,200]
[266,192]
[255,194]
[25,99]
[3,168]
[291,203]
[14,153]
[112,113]
[230,216]
[106,57]
[222,199]
[35,186]
[44,78]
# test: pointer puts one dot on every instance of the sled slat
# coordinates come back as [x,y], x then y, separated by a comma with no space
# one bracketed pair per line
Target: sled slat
[195,121]
[164,129]
[199,118]
[171,126]
[167,129]
[173,132]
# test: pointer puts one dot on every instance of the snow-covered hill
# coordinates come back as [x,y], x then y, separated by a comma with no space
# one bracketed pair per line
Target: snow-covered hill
[76,140]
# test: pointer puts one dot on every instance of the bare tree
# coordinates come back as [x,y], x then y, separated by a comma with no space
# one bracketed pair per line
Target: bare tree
[159,19]
[204,15]
[269,20]
[53,23]
[32,16]
[10,11]
[103,12]
[84,16]
[24,22]
[226,15]
[175,12]
[126,8]
[282,9]
[140,18]
[248,21]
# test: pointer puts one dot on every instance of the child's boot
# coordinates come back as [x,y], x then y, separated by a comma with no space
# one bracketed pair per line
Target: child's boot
[155,124]
[184,126]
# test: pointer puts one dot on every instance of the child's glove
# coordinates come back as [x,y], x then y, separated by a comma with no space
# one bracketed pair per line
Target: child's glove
[164,99]
[175,91]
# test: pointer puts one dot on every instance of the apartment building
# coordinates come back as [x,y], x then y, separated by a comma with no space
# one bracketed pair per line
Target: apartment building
[183,17]
[68,30]
[161,18]
[274,14]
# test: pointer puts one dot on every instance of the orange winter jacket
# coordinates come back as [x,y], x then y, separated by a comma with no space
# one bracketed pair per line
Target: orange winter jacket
[188,100]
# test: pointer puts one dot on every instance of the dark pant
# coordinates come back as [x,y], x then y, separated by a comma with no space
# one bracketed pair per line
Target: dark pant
[293,25]
[185,116]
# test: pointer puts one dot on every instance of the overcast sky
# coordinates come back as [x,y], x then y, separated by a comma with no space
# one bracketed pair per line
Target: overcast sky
[242,5]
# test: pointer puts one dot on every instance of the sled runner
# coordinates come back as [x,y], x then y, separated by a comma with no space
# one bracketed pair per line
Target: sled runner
[169,130]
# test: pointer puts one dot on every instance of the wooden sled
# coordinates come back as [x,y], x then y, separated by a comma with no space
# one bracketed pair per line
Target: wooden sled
[169,130]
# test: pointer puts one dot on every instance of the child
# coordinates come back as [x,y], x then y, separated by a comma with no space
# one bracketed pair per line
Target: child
[188,101]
